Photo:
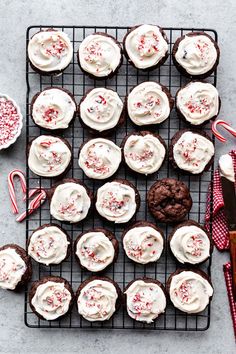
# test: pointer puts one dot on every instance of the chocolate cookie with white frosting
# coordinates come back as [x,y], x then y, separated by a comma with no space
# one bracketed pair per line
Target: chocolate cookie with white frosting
[15,267]
[196,55]
[100,56]
[190,243]
[53,109]
[190,290]
[117,201]
[146,46]
[169,200]
[50,52]
[143,242]
[149,103]
[191,151]
[49,244]
[96,249]
[99,158]
[51,298]
[98,298]
[49,156]
[70,200]
[145,299]
[198,102]
[144,151]
[101,111]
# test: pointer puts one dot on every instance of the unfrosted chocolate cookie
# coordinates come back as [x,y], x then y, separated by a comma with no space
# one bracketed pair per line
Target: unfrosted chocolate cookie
[169,200]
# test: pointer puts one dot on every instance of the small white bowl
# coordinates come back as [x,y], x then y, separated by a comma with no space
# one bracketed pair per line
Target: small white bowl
[13,140]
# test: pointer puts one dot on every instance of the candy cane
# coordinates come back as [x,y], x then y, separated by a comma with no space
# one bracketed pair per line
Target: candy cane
[33,204]
[226,126]
[11,188]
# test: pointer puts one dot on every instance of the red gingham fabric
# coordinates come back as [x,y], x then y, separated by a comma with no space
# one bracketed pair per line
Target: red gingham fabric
[232,303]
[220,232]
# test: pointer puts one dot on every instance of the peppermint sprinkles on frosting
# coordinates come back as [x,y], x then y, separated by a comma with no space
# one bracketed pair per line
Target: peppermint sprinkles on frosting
[146,46]
[196,53]
[50,51]
[99,55]
[99,158]
[192,151]
[198,102]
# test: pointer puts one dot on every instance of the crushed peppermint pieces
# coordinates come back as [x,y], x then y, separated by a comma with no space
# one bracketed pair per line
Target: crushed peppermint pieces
[147,45]
[184,291]
[195,244]
[56,48]
[10,122]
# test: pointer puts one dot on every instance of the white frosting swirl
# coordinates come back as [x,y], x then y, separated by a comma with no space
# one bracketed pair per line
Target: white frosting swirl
[99,55]
[143,244]
[51,300]
[190,244]
[146,46]
[70,202]
[144,154]
[48,245]
[192,152]
[227,167]
[50,50]
[48,156]
[99,158]
[116,202]
[53,109]
[145,301]
[12,268]
[198,102]
[101,109]
[97,300]
[196,54]
[148,104]
[95,251]
[190,292]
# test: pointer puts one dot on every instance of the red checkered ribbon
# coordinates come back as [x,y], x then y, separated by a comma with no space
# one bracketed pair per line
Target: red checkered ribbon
[229,286]
[220,232]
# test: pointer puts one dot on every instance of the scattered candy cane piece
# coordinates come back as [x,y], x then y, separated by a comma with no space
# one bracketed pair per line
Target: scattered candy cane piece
[33,204]
[226,126]
[11,188]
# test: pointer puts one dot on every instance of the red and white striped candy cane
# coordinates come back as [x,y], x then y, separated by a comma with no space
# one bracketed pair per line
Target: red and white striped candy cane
[33,204]
[226,126]
[11,188]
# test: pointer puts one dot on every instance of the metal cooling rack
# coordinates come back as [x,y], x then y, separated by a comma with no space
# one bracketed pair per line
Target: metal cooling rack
[123,271]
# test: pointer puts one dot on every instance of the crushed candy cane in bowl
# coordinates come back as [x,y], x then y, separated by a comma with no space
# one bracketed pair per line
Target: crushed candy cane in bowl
[11,121]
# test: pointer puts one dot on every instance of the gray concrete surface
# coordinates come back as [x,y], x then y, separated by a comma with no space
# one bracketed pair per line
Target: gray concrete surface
[15,16]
